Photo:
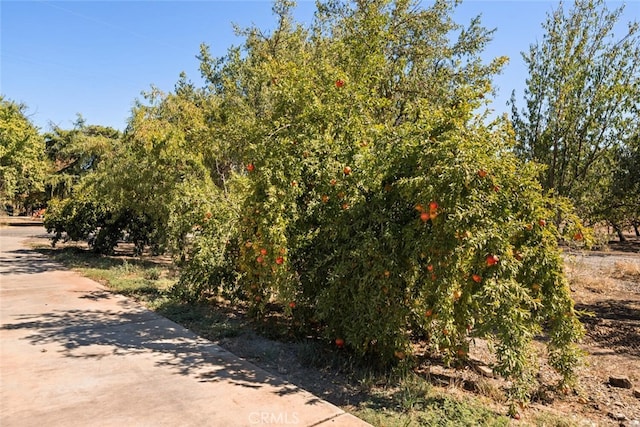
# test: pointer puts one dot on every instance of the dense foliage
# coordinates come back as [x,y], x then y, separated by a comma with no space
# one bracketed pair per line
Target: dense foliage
[144,186]
[373,204]
[23,167]
[75,153]
[75,211]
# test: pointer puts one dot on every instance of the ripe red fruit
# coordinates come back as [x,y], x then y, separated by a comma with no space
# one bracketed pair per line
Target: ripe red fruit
[419,208]
[578,236]
[279,260]
[424,216]
[476,278]
[428,313]
[251,167]
[345,206]
[292,304]
[260,260]
[482,173]
[347,170]
[433,206]
[263,251]
[492,260]
[542,223]
[339,342]
[339,83]
[430,268]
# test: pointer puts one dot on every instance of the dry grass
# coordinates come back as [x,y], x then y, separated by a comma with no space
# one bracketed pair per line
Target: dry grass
[488,389]
[626,270]
[583,278]
[598,285]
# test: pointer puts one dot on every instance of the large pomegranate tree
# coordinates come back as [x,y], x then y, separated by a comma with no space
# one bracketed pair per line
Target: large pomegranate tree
[375,201]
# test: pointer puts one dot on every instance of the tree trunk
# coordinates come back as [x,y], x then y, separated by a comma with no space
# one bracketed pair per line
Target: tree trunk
[619,232]
[635,228]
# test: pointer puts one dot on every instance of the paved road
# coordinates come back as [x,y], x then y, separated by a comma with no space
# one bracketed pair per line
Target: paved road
[73,354]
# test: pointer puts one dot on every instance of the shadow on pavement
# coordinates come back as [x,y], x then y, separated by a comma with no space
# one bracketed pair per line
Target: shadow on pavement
[24,261]
[96,334]
[123,329]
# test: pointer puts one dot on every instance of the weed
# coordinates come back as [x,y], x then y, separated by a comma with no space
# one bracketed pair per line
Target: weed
[311,353]
[126,268]
[153,273]
[413,393]
[427,407]
[202,319]
[490,390]
[546,419]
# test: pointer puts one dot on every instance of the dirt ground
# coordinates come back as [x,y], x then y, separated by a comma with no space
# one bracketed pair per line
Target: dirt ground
[606,285]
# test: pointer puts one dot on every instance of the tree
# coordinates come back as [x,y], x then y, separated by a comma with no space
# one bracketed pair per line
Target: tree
[74,212]
[163,168]
[76,152]
[373,203]
[621,203]
[582,101]
[150,185]
[23,166]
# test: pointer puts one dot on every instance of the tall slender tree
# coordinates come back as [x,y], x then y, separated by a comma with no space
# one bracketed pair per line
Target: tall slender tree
[621,204]
[582,99]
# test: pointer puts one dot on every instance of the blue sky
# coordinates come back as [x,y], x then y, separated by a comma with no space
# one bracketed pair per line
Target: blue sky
[61,58]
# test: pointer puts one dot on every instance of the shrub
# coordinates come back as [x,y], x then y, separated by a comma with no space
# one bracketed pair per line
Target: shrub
[81,218]
[373,201]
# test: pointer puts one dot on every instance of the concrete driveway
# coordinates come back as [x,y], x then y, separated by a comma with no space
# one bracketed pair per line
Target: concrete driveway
[74,354]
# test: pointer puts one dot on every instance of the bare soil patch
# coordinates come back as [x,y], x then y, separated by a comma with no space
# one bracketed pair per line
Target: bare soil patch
[606,287]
